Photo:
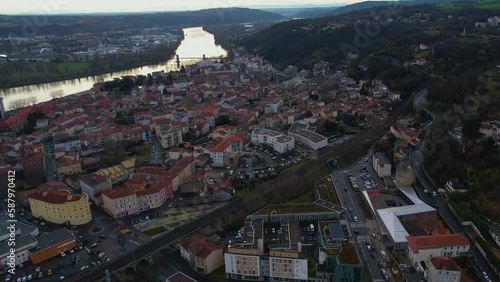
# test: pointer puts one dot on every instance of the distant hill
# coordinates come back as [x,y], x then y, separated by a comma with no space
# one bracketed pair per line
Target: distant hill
[68,24]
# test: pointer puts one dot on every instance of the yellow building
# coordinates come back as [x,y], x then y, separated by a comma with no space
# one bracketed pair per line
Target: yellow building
[67,166]
[61,207]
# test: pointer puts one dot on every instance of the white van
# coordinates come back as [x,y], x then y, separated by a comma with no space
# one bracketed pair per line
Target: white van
[383,254]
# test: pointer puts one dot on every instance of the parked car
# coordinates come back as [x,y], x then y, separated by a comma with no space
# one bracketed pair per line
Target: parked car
[63,254]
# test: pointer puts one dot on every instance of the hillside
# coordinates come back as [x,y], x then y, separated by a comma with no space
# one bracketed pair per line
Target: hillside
[68,24]
[308,41]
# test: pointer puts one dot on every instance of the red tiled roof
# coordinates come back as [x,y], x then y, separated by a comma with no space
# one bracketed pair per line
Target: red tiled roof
[55,197]
[417,243]
[445,263]
[118,193]
[228,141]
[207,250]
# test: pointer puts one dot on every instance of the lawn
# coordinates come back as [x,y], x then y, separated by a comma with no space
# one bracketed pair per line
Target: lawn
[141,153]
[307,197]
[173,225]
[219,273]
[176,213]
[490,4]
[155,231]
[432,31]
[240,193]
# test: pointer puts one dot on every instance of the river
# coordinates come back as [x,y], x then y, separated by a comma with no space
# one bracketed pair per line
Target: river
[195,44]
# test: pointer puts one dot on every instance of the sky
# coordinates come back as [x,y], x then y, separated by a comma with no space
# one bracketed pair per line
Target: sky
[115,6]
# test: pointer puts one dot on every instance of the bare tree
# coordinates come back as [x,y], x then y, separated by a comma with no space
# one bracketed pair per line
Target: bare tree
[56,94]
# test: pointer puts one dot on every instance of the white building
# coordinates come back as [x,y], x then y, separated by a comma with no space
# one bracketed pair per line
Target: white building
[424,248]
[443,269]
[381,164]
[70,143]
[280,143]
[302,134]
[274,106]
[25,240]
[490,128]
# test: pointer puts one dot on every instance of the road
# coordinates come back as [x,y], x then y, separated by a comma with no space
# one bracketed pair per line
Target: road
[422,182]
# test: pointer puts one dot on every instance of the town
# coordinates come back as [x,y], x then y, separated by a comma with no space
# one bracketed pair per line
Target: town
[233,169]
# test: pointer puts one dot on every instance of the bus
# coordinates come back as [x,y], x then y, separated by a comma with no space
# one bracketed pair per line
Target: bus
[312,227]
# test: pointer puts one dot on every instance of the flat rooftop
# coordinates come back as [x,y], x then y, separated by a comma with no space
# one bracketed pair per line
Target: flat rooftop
[346,255]
[54,238]
[21,241]
[281,209]
[302,130]
[329,205]
[283,139]
[265,131]
[291,236]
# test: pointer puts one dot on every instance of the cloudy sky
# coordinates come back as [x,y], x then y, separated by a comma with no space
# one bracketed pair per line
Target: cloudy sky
[110,6]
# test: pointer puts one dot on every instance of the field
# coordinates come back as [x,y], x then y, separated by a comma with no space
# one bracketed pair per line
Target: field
[432,31]
[155,231]
[493,4]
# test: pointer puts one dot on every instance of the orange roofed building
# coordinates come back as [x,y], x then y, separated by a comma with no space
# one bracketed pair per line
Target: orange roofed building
[423,248]
[227,152]
[201,255]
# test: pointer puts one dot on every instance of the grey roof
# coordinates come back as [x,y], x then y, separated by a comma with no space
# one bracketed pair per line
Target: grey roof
[495,228]
[382,158]
[24,228]
[336,231]
[283,139]
[303,130]
[54,237]
[68,139]
[93,179]
[21,242]
[266,132]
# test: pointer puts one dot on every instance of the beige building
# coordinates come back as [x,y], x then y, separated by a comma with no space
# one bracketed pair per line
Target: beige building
[67,166]
[443,269]
[201,255]
[61,207]
[169,135]
[120,202]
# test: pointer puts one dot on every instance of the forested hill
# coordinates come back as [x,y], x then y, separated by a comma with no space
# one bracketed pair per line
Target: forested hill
[69,24]
[306,42]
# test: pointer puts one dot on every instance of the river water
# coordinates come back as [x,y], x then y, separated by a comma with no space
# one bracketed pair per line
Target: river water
[195,44]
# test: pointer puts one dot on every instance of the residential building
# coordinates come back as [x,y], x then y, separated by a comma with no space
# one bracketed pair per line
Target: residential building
[68,166]
[423,248]
[274,107]
[41,123]
[169,135]
[490,128]
[227,152]
[60,207]
[443,269]
[70,143]
[52,245]
[92,184]
[453,185]
[302,134]
[280,143]
[381,164]
[120,202]
[202,256]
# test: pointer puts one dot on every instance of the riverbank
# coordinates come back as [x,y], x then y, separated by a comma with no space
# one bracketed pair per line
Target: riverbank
[35,73]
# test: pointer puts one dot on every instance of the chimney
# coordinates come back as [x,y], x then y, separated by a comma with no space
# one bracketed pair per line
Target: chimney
[70,197]
[45,193]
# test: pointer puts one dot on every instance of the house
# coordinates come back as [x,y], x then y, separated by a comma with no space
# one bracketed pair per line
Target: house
[423,248]
[93,183]
[494,230]
[381,164]
[68,166]
[227,152]
[443,269]
[41,123]
[453,185]
[201,255]
[69,143]
[490,128]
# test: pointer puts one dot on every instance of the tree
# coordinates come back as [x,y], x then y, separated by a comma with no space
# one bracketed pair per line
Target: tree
[222,120]
[308,114]
[470,128]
